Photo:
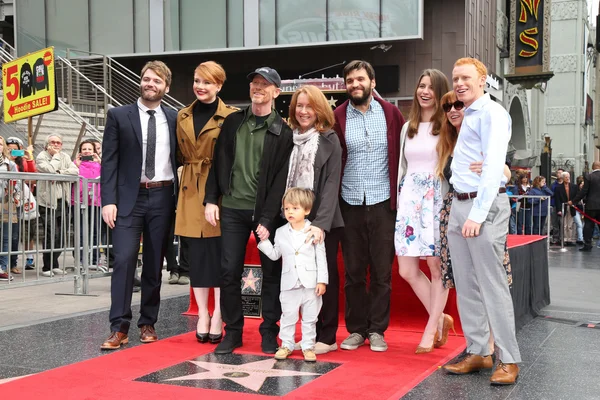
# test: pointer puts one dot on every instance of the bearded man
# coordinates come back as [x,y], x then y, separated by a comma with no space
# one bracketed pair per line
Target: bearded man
[369,131]
[139,192]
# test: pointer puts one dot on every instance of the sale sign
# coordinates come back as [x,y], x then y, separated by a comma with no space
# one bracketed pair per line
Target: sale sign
[29,85]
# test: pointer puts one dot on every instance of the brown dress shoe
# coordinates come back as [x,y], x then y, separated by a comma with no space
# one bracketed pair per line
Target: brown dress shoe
[505,374]
[148,334]
[114,341]
[471,363]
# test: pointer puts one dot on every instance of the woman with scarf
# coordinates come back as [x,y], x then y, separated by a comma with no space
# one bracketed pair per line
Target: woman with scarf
[316,164]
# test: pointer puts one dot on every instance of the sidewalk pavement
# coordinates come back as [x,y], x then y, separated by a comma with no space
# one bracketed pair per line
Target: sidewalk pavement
[22,306]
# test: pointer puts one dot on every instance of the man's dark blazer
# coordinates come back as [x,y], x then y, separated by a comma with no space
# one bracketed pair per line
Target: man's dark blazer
[590,192]
[122,156]
[560,196]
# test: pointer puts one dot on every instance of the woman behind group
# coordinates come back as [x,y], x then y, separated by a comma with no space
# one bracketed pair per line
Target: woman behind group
[198,127]
[11,196]
[577,218]
[316,164]
[88,162]
[540,205]
[24,163]
[419,203]
[453,117]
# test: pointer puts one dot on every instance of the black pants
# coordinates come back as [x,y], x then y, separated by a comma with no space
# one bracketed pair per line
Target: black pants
[328,321]
[181,268]
[588,228]
[236,226]
[368,246]
[54,221]
[152,215]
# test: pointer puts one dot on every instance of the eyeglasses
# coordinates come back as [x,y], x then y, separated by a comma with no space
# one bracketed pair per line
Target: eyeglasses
[55,142]
[458,105]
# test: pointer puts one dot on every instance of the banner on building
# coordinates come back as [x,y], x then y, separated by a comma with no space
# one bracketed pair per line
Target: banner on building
[29,85]
[529,42]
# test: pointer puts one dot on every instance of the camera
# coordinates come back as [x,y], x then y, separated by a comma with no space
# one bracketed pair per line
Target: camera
[87,158]
[17,153]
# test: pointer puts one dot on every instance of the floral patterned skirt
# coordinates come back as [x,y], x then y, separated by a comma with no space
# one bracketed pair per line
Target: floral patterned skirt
[444,251]
[418,217]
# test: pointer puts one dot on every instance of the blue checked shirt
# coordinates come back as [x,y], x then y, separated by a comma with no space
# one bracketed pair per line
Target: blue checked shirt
[366,176]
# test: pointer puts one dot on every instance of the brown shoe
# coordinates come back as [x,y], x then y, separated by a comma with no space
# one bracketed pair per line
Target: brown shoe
[505,374]
[471,363]
[148,334]
[114,341]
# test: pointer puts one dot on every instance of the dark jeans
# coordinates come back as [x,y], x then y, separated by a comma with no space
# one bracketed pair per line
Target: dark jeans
[524,219]
[539,223]
[368,247]
[14,244]
[588,228]
[94,218]
[152,216]
[327,323]
[55,221]
[236,226]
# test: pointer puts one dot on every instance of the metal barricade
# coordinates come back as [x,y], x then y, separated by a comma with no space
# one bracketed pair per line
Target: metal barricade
[526,223]
[65,222]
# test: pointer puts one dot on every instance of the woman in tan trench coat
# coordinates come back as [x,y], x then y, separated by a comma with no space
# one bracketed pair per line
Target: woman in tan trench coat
[198,127]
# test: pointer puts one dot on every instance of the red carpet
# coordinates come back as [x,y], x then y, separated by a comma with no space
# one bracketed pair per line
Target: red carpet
[362,373]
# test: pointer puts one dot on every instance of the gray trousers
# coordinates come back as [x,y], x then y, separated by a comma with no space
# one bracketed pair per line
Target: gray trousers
[484,299]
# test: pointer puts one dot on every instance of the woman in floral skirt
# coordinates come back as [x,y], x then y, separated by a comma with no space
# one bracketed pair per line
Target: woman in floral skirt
[420,196]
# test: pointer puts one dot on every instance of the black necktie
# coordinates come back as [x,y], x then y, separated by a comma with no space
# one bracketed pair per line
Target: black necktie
[151,145]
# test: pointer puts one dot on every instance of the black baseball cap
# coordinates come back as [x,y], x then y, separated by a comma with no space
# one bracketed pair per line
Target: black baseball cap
[268,73]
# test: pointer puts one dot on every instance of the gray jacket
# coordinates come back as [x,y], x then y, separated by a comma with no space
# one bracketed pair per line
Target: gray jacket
[326,213]
[48,193]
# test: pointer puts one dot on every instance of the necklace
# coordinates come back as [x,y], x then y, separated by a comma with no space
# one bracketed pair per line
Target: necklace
[297,249]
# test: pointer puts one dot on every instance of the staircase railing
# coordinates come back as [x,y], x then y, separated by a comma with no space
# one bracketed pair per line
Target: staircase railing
[119,81]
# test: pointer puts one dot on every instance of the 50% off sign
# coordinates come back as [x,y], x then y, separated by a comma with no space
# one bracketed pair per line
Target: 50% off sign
[29,85]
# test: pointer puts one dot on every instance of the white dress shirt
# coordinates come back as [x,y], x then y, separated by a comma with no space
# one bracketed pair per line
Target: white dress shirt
[163,170]
[486,129]
[304,264]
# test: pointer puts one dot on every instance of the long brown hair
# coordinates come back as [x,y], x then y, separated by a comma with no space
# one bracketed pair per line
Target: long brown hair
[448,136]
[440,85]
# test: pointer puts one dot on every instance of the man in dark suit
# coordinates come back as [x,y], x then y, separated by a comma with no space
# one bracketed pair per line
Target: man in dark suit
[590,193]
[139,187]
[563,194]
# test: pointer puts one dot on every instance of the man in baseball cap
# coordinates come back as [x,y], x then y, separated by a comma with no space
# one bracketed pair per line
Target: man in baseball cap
[268,73]
[243,193]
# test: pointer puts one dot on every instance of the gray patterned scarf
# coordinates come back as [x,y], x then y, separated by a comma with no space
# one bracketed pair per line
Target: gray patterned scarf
[302,160]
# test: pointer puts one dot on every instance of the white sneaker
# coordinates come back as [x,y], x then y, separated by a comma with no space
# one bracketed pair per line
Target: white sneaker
[322,348]
[58,271]
[47,273]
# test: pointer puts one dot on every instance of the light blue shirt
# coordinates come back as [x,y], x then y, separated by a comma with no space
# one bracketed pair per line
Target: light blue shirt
[486,129]
[366,175]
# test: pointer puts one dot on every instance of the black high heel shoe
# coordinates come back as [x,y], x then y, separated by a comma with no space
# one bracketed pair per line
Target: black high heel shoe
[215,338]
[202,337]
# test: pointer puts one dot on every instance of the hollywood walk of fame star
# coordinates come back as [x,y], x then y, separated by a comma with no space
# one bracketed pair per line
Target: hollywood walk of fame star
[250,375]
[250,281]
[332,102]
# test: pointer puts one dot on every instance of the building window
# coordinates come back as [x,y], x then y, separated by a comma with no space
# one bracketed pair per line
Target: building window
[289,22]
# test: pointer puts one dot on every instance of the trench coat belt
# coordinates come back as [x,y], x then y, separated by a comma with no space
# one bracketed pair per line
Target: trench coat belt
[204,164]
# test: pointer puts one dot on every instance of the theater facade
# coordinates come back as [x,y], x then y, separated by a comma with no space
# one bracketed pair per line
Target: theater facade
[301,39]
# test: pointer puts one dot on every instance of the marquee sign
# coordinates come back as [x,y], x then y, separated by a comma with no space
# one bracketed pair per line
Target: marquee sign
[529,42]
